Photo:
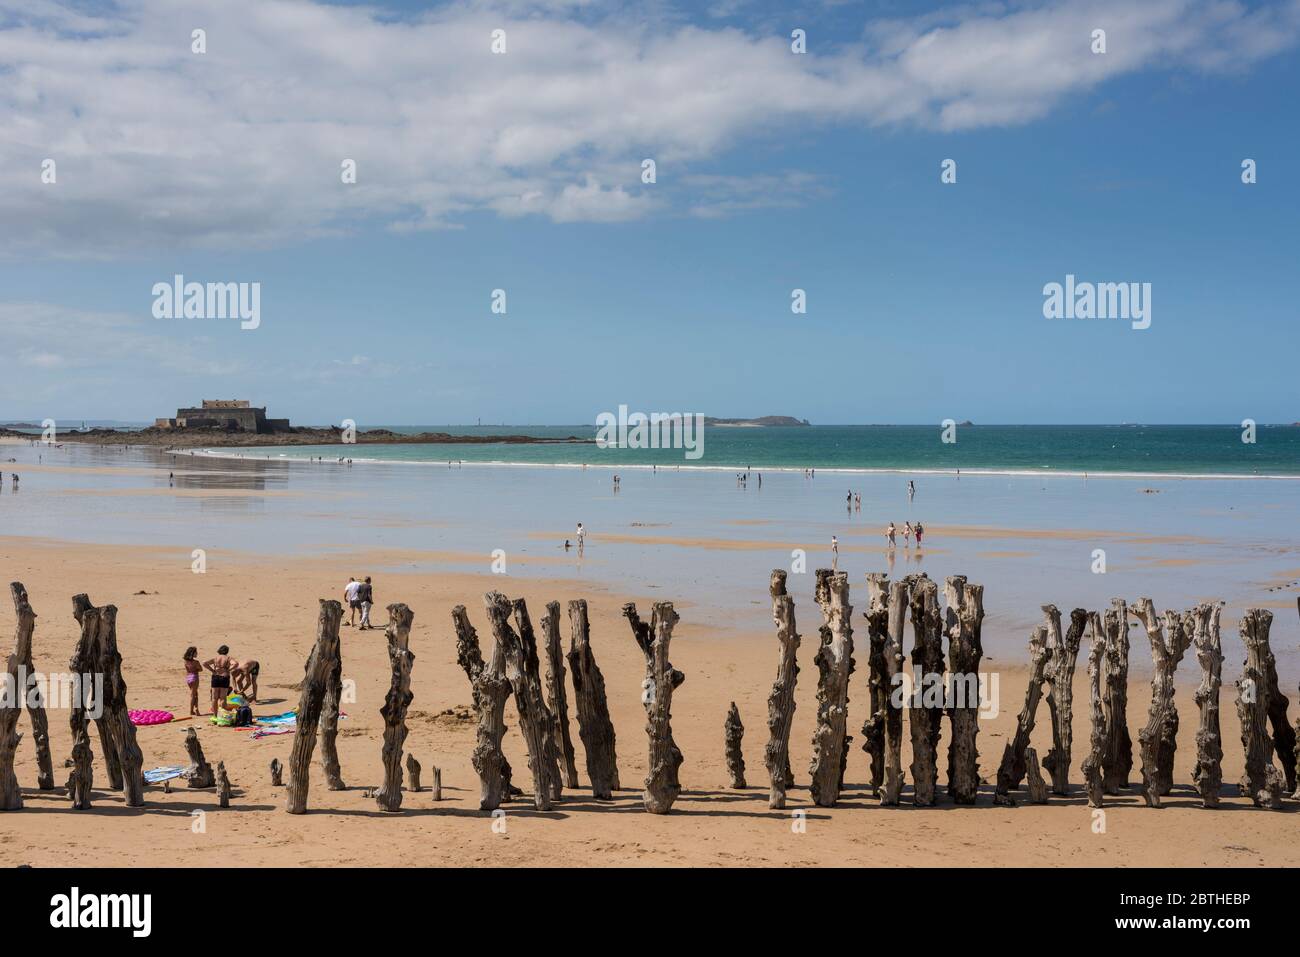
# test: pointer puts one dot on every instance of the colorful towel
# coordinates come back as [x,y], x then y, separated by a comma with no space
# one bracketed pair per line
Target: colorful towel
[159,775]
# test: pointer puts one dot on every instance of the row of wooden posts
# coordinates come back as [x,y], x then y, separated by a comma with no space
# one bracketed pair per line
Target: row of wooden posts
[513,667]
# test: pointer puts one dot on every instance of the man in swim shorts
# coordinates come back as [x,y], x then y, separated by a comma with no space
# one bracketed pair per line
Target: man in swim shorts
[220,666]
[245,677]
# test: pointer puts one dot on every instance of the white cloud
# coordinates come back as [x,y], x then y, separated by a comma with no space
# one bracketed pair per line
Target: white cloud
[159,147]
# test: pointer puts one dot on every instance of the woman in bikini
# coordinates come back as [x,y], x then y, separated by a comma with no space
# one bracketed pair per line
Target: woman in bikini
[192,671]
[220,667]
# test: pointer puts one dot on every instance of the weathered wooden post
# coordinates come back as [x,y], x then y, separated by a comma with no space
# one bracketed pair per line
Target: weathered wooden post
[1092,764]
[11,793]
[557,700]
[200,773]
[315,684]
[594,725]
[84,656]
[1284,736]
[661,784]
[94,666]
[1158,740]
[1015,757]
[734,733]
[1064,658]
[534,720]
[964,619]
[1262,782]
[117,733]
[223,785]
[437,783]
[1034,783]
[780,701]
[329,724]
[887,612]
[925,713]
[277,772]
[490,689]
[834,661]
[412,773]
[1119,744]
[30,691]
[398,699]
[873,729]
[533,673]
[1208,773]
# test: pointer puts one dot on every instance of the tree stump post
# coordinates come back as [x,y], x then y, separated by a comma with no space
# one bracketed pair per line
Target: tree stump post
[1092,764]
[1118,761]
[557,701]
[873,729]
[315,685]
[1158,740]
[11,792]
[490,689]
[1208,774]
[223,785]
[1284,736]
[122,756]
[412,773]
[1060,692]
[329,724]
[437,783]
[1015,757]
[277,772]
[965,619]
[84,657]
[31,694]
[594,726]
[834,661]
[780,701]
[398,699]
[200,773]
[661,784]
[734,733]
[925,711]
[1034,783]
[534,720]
[1262,781]
[887,610]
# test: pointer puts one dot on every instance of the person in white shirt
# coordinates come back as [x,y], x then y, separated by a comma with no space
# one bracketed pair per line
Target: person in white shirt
[350,595]
[581,534]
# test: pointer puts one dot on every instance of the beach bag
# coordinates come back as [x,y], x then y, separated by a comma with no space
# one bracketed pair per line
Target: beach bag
[223,718]
[244,716]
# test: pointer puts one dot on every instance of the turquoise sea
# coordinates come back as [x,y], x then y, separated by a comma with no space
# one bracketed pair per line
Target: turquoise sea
[1202,450]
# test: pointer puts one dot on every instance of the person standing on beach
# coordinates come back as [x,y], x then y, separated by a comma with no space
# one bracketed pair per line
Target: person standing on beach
[353,602]
[835,553]
[907,535]
[911,489]
[919,530]
[581,534]
[192,671]
[366,595]
[245,676]
[220,666]
[889,535]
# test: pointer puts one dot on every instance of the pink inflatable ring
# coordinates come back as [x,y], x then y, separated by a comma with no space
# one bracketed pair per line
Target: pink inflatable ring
[150,717]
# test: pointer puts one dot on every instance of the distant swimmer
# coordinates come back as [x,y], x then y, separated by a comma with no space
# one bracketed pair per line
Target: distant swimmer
[911,489]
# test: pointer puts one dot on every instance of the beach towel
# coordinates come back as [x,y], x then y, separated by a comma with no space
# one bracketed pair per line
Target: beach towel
[159,775]
[147,717]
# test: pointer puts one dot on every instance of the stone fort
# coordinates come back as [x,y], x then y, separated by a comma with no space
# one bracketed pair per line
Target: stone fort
[233,415]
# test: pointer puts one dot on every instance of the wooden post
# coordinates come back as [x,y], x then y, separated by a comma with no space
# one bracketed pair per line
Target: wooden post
[734,733]
[107,746]
[965,619]
[887,606]
[1092,764]
[1034,783]
[1015,757]
[1158,740]
[398,699]
[925,713]
[84,656]
[30,691]
[11,793]
[557,701]
[200,773]
[329,724]
[1284,736]
[661,784]
[122,755]
[490,689]
[1262,782]
[315,683]
[834,661]
[780,701]
[594,726]
[873,729]
[534,720]
[437,783]
[1060,692]
[277,771]
[412,773]
[1119,744]
[1208,773]
[223,785]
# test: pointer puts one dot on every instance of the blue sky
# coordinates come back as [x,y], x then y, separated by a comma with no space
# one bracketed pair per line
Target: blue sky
[775,172]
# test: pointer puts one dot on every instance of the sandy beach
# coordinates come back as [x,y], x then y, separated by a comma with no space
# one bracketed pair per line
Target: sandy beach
[267,605]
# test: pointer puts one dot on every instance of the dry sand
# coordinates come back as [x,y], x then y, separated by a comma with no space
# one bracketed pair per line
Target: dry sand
[267,609]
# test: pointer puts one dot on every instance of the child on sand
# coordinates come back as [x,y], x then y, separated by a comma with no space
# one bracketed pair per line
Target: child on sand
[192,670]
